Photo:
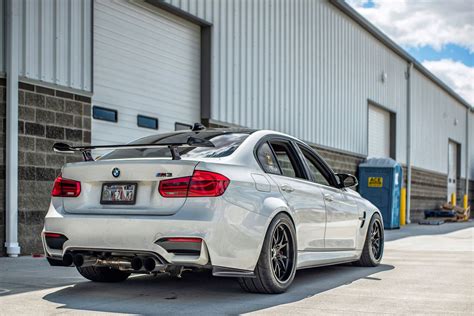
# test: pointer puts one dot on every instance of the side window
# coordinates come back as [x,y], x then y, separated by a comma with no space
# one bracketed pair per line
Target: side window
[267,159]
[314,168]
[287,160]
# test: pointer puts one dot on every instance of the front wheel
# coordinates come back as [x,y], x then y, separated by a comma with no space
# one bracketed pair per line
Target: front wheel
[276,265]
[374,244]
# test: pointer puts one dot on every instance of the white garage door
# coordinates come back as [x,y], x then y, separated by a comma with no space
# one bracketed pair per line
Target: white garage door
[379,132]
[146,67]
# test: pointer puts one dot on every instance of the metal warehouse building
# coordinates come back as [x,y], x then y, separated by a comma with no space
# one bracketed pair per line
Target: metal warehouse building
[109,71]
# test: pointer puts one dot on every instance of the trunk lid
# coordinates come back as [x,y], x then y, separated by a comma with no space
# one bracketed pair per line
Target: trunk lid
[145,173]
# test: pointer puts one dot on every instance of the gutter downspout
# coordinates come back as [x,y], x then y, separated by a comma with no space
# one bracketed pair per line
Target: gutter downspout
[409,70]
[11,191]
[467,153]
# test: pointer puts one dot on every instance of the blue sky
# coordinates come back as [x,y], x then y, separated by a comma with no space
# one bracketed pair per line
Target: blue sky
[449,51]
[438,33]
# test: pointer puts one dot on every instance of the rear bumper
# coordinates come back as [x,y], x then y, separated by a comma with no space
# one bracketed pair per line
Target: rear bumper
[231,236]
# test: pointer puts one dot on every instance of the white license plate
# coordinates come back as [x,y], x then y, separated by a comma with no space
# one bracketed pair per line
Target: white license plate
[118,193]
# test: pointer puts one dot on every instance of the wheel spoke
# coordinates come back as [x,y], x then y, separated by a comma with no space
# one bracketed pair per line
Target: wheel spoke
[376,239]
[281,252]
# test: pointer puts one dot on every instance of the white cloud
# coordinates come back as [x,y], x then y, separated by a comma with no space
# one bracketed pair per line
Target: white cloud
[456,75]
[417,23]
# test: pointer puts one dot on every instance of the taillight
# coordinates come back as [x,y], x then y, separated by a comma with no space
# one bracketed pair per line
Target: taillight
[174,187]
[66,187]
[201,184]
[205,183]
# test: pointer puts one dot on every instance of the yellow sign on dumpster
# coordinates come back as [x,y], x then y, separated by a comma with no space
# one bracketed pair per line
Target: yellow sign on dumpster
[375,182]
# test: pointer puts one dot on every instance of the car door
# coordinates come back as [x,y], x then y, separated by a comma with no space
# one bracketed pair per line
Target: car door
[342,219]
[281,161]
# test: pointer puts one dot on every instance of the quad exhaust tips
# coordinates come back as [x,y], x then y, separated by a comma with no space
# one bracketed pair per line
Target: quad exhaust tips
[151,265]
[67,259]
[136,263]
[84,261]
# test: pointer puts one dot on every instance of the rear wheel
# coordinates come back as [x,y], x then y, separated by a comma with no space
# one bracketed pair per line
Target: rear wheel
[103,274]
[374,244]
[276,266]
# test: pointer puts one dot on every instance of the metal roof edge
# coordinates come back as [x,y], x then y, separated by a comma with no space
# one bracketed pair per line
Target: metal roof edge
[378,34]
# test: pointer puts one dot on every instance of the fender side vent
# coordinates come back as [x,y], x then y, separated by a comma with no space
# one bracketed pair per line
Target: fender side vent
[362,219]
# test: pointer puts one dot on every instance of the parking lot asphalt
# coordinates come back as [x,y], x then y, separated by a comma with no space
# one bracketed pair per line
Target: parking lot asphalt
[426,270]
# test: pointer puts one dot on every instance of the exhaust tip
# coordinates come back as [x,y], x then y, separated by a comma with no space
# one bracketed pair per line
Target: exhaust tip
[149,264]
[78,260]
[67,259]
[136,263]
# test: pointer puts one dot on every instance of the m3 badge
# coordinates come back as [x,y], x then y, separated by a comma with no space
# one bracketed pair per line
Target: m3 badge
[164,174]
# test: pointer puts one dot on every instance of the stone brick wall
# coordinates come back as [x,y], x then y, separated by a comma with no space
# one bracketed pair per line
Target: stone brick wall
[46,116]
[341,162]
[428,192]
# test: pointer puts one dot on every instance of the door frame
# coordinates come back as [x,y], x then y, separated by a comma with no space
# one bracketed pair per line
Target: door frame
[458,167]
[392,128]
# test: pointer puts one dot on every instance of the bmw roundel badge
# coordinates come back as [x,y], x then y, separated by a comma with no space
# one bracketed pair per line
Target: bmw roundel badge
[116,172]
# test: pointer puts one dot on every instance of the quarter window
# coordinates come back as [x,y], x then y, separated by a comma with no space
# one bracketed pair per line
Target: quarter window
[267,159]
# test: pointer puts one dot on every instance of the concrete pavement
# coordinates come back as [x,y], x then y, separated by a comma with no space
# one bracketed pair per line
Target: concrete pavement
[426,270]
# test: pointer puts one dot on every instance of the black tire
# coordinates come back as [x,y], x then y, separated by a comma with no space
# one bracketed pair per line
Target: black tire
[276,265]
[374,244]
[103,274]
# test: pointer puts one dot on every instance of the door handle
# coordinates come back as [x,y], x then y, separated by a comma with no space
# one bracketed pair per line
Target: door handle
[287,188]
[328,197]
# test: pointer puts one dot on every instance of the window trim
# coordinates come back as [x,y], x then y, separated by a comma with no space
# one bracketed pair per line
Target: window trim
[150,118]
[325,170]
[294,151]
[104,109]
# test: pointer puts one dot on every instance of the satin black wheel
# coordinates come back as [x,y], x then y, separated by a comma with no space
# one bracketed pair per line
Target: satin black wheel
[376,240]
[276,265]
[282,259]
[374,244]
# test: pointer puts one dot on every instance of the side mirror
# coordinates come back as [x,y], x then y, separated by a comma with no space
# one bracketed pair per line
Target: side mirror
[347,180]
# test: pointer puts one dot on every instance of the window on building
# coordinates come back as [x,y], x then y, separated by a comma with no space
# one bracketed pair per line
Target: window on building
[104,114]
[147,122]
[181,126]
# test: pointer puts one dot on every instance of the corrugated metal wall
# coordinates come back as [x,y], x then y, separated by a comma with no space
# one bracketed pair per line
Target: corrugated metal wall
[301,67]
[2,37]
[437,117]
[55,44]
[471,144]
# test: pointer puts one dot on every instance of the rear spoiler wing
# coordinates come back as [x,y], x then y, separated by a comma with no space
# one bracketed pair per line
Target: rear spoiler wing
[173,147]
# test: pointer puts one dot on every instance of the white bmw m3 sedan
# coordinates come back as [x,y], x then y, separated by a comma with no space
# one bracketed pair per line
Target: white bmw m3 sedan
[251,204]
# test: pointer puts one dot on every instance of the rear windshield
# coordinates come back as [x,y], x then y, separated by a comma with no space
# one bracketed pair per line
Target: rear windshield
[225,143]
